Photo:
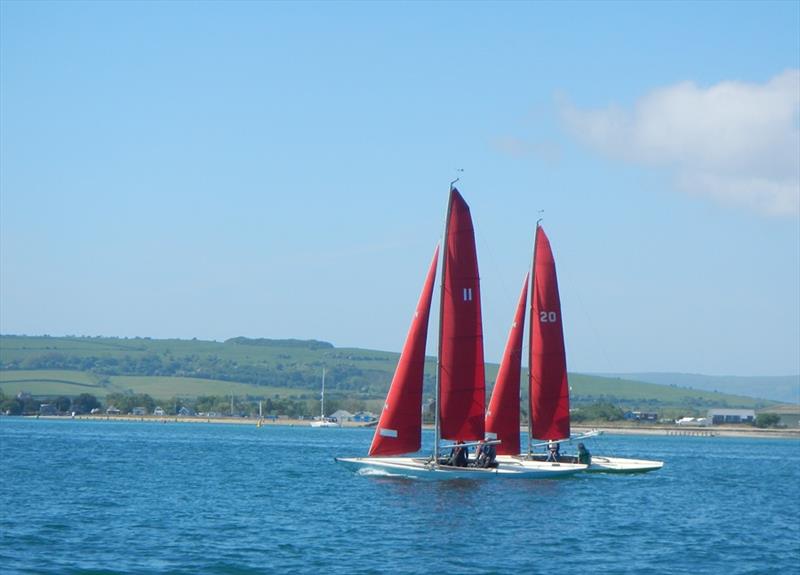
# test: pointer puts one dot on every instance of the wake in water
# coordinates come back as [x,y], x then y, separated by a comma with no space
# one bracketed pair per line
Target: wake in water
[375,472]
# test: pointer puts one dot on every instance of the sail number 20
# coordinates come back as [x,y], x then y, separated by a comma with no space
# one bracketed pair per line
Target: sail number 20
[548,317]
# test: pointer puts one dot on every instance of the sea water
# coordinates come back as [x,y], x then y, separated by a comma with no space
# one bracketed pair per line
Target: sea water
[127,497]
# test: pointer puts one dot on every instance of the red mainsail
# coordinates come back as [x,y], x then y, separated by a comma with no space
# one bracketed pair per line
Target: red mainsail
[400,427]
[461,372]
[549,389]
[502,417]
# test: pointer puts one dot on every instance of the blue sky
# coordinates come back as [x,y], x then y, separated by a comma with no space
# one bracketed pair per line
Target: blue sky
[280,170]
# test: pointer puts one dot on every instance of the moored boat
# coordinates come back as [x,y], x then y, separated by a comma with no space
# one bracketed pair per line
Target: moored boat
[323,421]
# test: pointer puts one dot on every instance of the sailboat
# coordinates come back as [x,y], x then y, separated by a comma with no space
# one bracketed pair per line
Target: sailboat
[460,386]
[323,421]
[548,385]
[503,414]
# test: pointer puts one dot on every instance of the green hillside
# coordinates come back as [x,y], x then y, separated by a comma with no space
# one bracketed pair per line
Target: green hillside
[60,382]
[264,368]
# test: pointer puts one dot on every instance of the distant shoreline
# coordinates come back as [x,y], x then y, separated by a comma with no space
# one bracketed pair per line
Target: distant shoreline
[606,428]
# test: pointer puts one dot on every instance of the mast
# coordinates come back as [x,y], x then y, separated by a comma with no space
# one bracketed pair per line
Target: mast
[530,343]
[438,393]
[549,380]
[462,390]
[322,398]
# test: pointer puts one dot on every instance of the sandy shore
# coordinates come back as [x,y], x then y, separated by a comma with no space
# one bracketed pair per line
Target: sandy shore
[612,429]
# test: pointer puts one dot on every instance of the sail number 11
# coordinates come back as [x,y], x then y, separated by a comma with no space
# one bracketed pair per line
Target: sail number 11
[548,317]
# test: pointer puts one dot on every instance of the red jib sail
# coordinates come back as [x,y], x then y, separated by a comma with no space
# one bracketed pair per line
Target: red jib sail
[461,376]
[400,427]
[502,417]
[549,389]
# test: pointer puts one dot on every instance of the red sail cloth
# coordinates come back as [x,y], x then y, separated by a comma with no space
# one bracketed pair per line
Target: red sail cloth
[549,389]
[461,373]
[400,427]
[502,417]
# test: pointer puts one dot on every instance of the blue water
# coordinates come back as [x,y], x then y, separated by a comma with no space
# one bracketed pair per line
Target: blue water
[115,497]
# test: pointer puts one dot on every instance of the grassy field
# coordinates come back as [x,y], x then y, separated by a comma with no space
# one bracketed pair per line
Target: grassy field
[266,369]
[51,382]
[166,387]
[71,383]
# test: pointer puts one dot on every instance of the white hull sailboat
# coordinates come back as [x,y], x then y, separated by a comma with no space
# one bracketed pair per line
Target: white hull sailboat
[323,421]
[548,386]
[460,386]
[598,464]
[503,415]
[605,464]
[424,468]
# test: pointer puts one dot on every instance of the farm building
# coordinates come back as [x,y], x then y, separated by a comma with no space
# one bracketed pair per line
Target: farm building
[722,416]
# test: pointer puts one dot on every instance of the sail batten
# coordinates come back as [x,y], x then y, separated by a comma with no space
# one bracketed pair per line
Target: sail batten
[461,400]
[399,429]
[548,384]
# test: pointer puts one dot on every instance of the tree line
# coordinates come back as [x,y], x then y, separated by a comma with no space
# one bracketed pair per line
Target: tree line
[25,404]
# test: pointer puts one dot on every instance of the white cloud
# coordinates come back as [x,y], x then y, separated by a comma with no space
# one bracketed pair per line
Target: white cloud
[738,143]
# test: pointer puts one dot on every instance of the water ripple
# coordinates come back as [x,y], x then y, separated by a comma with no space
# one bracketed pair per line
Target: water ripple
[104,497]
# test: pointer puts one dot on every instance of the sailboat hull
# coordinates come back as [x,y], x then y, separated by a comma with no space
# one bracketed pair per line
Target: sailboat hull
[421,468]
[603,464]
[324,424]
[600,463]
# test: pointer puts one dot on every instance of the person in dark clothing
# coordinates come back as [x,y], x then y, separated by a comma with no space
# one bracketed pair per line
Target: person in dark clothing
[555,451]
[486,455]
[584,456]
[459,456]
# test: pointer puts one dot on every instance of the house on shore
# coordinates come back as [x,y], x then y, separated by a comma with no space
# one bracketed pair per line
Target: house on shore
[724,416]
[341,415]
[641,416]
[364,417]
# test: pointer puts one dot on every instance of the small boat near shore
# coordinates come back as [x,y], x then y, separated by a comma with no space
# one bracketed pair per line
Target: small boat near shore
[323,421]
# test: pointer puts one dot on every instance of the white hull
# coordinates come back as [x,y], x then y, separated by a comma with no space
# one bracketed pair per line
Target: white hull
[324,424]
[421,468]
[603,464]
[600,463]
